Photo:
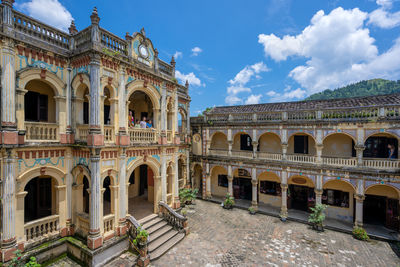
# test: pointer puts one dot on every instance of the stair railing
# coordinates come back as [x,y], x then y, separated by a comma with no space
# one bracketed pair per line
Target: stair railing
[175,219]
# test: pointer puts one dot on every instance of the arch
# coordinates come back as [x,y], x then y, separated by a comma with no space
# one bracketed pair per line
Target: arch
[109,173]
[236,140]
[150,162]
[382,190]
[79,171]
[269,176]
[335,184]
[296,180]
[301,133]
[311,143]
[197,177]
[338,145]
[217,166]
[78,80]
[385,134]
[376,145]
[274,145]
[219,140]
[343,133]
[30,74]
[55,173]
[112,90]
[149,90]
[218,188]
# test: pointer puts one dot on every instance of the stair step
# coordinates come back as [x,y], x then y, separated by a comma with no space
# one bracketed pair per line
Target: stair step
[154,221]
[156,227]
[161,250]
[161,240]
[159,232]
[148,218]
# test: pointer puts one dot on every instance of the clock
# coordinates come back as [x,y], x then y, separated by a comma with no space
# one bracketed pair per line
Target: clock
[143,51]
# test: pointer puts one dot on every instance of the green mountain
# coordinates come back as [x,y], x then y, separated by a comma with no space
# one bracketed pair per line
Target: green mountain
[363,88]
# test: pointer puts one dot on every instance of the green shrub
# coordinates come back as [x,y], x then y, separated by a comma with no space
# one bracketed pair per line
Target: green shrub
[229,201]
[317,216]
[186,195]
[141,237]
[360,234]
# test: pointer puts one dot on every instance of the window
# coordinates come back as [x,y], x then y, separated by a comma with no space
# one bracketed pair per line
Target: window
[301,144]
[335,198]
[36,107]
[270,188]
[223,180]
[245,142]
[85,113]
[377,147]
[107,115]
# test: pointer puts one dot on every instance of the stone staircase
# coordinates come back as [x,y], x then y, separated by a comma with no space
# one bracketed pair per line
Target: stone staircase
[162,236]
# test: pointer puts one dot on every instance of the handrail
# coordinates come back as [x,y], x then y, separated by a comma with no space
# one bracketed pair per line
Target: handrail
[133,226]
[172,217]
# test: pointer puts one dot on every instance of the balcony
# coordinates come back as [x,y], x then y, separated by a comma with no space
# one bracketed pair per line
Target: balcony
[269,156]
[41,131]
[169,136]
[143,135]
[301,158]
[109,136]
[218,152]
[108,224]
[82,132]
[242,154]
[381,164]
[40,229]
[336,161]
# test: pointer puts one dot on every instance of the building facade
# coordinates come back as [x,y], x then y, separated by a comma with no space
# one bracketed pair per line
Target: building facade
[287,157]
[72,156]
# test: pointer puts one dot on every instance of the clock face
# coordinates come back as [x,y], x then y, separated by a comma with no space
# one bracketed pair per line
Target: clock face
[143,51]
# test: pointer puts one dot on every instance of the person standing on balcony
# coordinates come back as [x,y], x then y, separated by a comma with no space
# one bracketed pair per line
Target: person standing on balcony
[137,124]
[391,151]
[143,123]
[149,124]
[131,119]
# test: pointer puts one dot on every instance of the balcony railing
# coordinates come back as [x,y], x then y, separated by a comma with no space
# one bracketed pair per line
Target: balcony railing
[242,153]
[218,152]
[109,133]
[108,223]
[335,161]
[113,42]
[164,67]
[41,228]
[169,136]
[82,132]
[41,131]
[382,164]
[301,158]
[142,136]
[269,156]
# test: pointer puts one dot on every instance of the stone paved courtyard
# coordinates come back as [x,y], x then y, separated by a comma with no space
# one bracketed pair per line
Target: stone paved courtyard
[235,238]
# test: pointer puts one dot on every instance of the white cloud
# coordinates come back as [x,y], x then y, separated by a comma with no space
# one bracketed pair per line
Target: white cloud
[51,12]
[178,54]
[382,18]
[190,77]
[253,99]
[196,51]
[338,49]
[238,83]
[288,95]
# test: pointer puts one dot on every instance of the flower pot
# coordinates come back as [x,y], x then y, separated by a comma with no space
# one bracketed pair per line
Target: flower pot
[227,207]
[318,227]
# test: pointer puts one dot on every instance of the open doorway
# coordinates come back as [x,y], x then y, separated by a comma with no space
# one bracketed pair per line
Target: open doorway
[141,192]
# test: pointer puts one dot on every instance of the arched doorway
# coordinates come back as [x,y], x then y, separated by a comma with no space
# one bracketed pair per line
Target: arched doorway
[269,189]
[141,108]
[381,206]
[301,195]
[242,141]
[339,196]
[141,192]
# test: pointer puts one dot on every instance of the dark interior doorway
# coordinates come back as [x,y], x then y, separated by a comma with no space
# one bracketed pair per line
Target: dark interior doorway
[377,147]
[38,199]
[374,209]
[245,142]
[85,195]
[107,196]
[301,197]
[143,180]
[242,188]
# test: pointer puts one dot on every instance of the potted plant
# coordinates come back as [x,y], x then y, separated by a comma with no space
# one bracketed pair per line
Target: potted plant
[317,217]
[228,202]
[187,196]
[252,210]
[141,237]
[360,234]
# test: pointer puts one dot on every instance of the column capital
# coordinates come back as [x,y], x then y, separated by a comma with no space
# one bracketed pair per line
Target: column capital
[359,198]
[254,182]
[284,186]
[318,191]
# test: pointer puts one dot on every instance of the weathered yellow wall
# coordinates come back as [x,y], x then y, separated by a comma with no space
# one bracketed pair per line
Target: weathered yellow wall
[270,143]
[196,147]
[271,200]
[308,182]
[337,145]
[219,141]
[340,213]
[215,189]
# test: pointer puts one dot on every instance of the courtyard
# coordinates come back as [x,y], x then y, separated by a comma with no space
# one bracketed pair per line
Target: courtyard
[221,237]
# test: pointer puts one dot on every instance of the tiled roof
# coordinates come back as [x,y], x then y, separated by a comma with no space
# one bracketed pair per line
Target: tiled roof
[367,101]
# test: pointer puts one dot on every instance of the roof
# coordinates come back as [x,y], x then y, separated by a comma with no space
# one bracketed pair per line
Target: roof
[340,103]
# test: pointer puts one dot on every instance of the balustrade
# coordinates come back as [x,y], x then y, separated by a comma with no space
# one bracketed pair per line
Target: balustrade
[41,131]
[242,153]
[42,228]
[350,114]
[269,156]
[108,223]
[335,161]
[142,135]
[242,117]
[82,132]
[169,136]
[164,67]
[218,152]
[301,158]
[384,164]
[109,133]
[113,42]
[172,217]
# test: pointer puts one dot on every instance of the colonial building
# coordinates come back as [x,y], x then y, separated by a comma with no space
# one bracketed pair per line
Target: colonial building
[73,160]
[284,158]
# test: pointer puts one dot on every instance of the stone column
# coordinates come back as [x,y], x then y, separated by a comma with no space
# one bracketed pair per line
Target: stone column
[95,137]
[121,230]
[163,115]
[123,137]
[68,138]
[284,151]
[20,112]
[319,148]
[8,120]
[95,238]
[8,242]
[255,145]
[188,122]
[254,183]
[7,17]
[177,137]
[163,174]
[230,180]
[19,216]
[359,152]
[68,182]
[61,209]
[230,143]
[157,192]
[188,177]
[284,187]
[358,222]
[318,190]
[176,184]
[208,181]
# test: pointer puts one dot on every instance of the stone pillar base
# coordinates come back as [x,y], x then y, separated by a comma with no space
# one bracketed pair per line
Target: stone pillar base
[122,140]
[254,205]
[9,138]
[94,242]
[95,140]
[162,140]
[21,138]
[68,138]
[8,249]
[122,228]
[283,214]
[176,204]
[144,259]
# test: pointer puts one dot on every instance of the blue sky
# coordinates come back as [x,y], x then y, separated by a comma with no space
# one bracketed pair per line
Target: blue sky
[244,52]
